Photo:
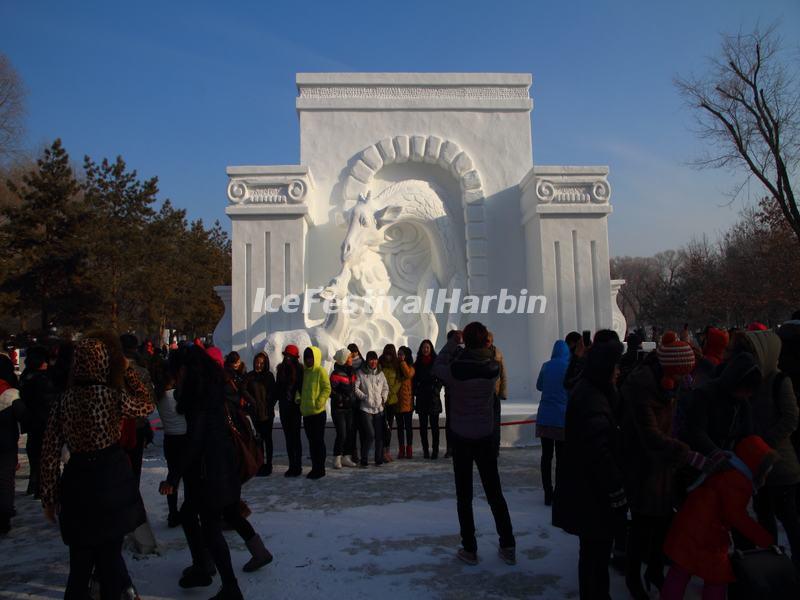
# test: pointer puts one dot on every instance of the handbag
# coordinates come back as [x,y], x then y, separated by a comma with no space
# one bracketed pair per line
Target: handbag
[246,442]
[763,573]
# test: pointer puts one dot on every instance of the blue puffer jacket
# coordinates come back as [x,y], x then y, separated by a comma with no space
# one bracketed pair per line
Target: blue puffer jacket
[553,405]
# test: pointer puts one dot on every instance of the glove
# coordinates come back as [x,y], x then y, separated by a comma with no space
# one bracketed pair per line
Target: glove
[696,460]
[718,461]
[618,501]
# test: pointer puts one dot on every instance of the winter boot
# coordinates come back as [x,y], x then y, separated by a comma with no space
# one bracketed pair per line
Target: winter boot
[471,558]
[548,496]
[194,576]
[337,462]
[387,458]
[261,556]
[348,462]
[228,591]
[409,453]
[509,555]
[401,452]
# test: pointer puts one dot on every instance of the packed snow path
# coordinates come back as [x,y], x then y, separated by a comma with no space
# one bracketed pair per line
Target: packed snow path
[357,533]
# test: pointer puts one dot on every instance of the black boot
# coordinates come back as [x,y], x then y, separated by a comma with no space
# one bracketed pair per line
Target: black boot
[548,496]
[260,555]
[228,591]
[194,576]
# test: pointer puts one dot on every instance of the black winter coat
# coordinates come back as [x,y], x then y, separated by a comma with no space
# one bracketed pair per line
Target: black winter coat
[208,465]
[285,388]
[261,388]
[427,389]
[591,463]
[343,387]
[37,393]
[716,421]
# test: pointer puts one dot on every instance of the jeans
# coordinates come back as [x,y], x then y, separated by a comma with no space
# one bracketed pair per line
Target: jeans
[173,452]
[371,431]
[290,423]
[593,559]
[433,420]
[34,449]
[137,454]
[496,434]
[405,431]
[343,421]
[352,450]
[548,448]
[389,412]
[104,561]
[645,543]
[264,429]
[203,531]
[447,420]
[233,517]
[481,452]
[315,432]
[779,501]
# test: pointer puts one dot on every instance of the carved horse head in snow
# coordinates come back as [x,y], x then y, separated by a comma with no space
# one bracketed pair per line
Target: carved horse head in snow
[367,227]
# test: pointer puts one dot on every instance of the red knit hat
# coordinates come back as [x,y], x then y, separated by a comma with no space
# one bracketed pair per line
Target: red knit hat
[756,326]
[676,359]
[756,454]
[292,350]
[216,354]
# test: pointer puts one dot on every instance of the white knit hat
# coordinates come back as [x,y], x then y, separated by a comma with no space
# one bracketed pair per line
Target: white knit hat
[341,356]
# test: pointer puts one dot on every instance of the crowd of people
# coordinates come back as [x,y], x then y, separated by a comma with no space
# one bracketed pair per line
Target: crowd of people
[657,454]
[89,406]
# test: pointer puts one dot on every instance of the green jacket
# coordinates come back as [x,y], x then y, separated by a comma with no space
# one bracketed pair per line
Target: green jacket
[316,387]
[393,379]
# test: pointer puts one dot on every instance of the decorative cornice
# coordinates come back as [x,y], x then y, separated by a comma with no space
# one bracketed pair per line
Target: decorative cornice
[414,91]
[268,185]
[570,185]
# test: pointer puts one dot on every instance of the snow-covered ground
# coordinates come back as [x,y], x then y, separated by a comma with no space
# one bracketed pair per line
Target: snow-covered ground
[356,534]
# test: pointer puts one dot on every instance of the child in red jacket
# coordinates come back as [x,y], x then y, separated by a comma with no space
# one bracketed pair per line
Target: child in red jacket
[699,539]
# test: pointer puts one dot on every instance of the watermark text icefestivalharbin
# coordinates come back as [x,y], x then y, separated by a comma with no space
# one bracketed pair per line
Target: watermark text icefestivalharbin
[438,301]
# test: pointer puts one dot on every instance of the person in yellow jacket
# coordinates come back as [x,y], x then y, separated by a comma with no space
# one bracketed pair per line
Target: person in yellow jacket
[313,398]
[390,367]
[405,402]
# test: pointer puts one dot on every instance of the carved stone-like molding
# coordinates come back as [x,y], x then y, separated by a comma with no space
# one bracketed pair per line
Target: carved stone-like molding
[489,92]
[260,185]
[449,156]
[572,185]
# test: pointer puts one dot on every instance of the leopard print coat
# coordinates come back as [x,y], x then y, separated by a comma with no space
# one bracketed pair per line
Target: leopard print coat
[87,417]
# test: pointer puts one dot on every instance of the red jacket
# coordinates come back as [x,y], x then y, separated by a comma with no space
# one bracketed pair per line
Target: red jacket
[699,539]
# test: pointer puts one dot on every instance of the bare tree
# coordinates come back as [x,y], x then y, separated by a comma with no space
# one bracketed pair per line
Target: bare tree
[748,108]
[11,107]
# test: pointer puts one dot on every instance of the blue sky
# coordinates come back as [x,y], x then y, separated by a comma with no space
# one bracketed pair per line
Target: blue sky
[182,90]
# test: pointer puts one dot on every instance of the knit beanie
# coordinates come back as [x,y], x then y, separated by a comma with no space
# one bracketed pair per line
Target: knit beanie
[756,326]
[676,359]
[341,356]
[216,354]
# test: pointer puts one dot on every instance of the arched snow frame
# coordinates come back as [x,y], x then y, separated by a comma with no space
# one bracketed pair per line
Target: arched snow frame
[449,156]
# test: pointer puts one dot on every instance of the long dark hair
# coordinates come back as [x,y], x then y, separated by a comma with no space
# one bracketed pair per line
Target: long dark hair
[389,357]
[200,375]
[407,355]
[354,348]
[420,355]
